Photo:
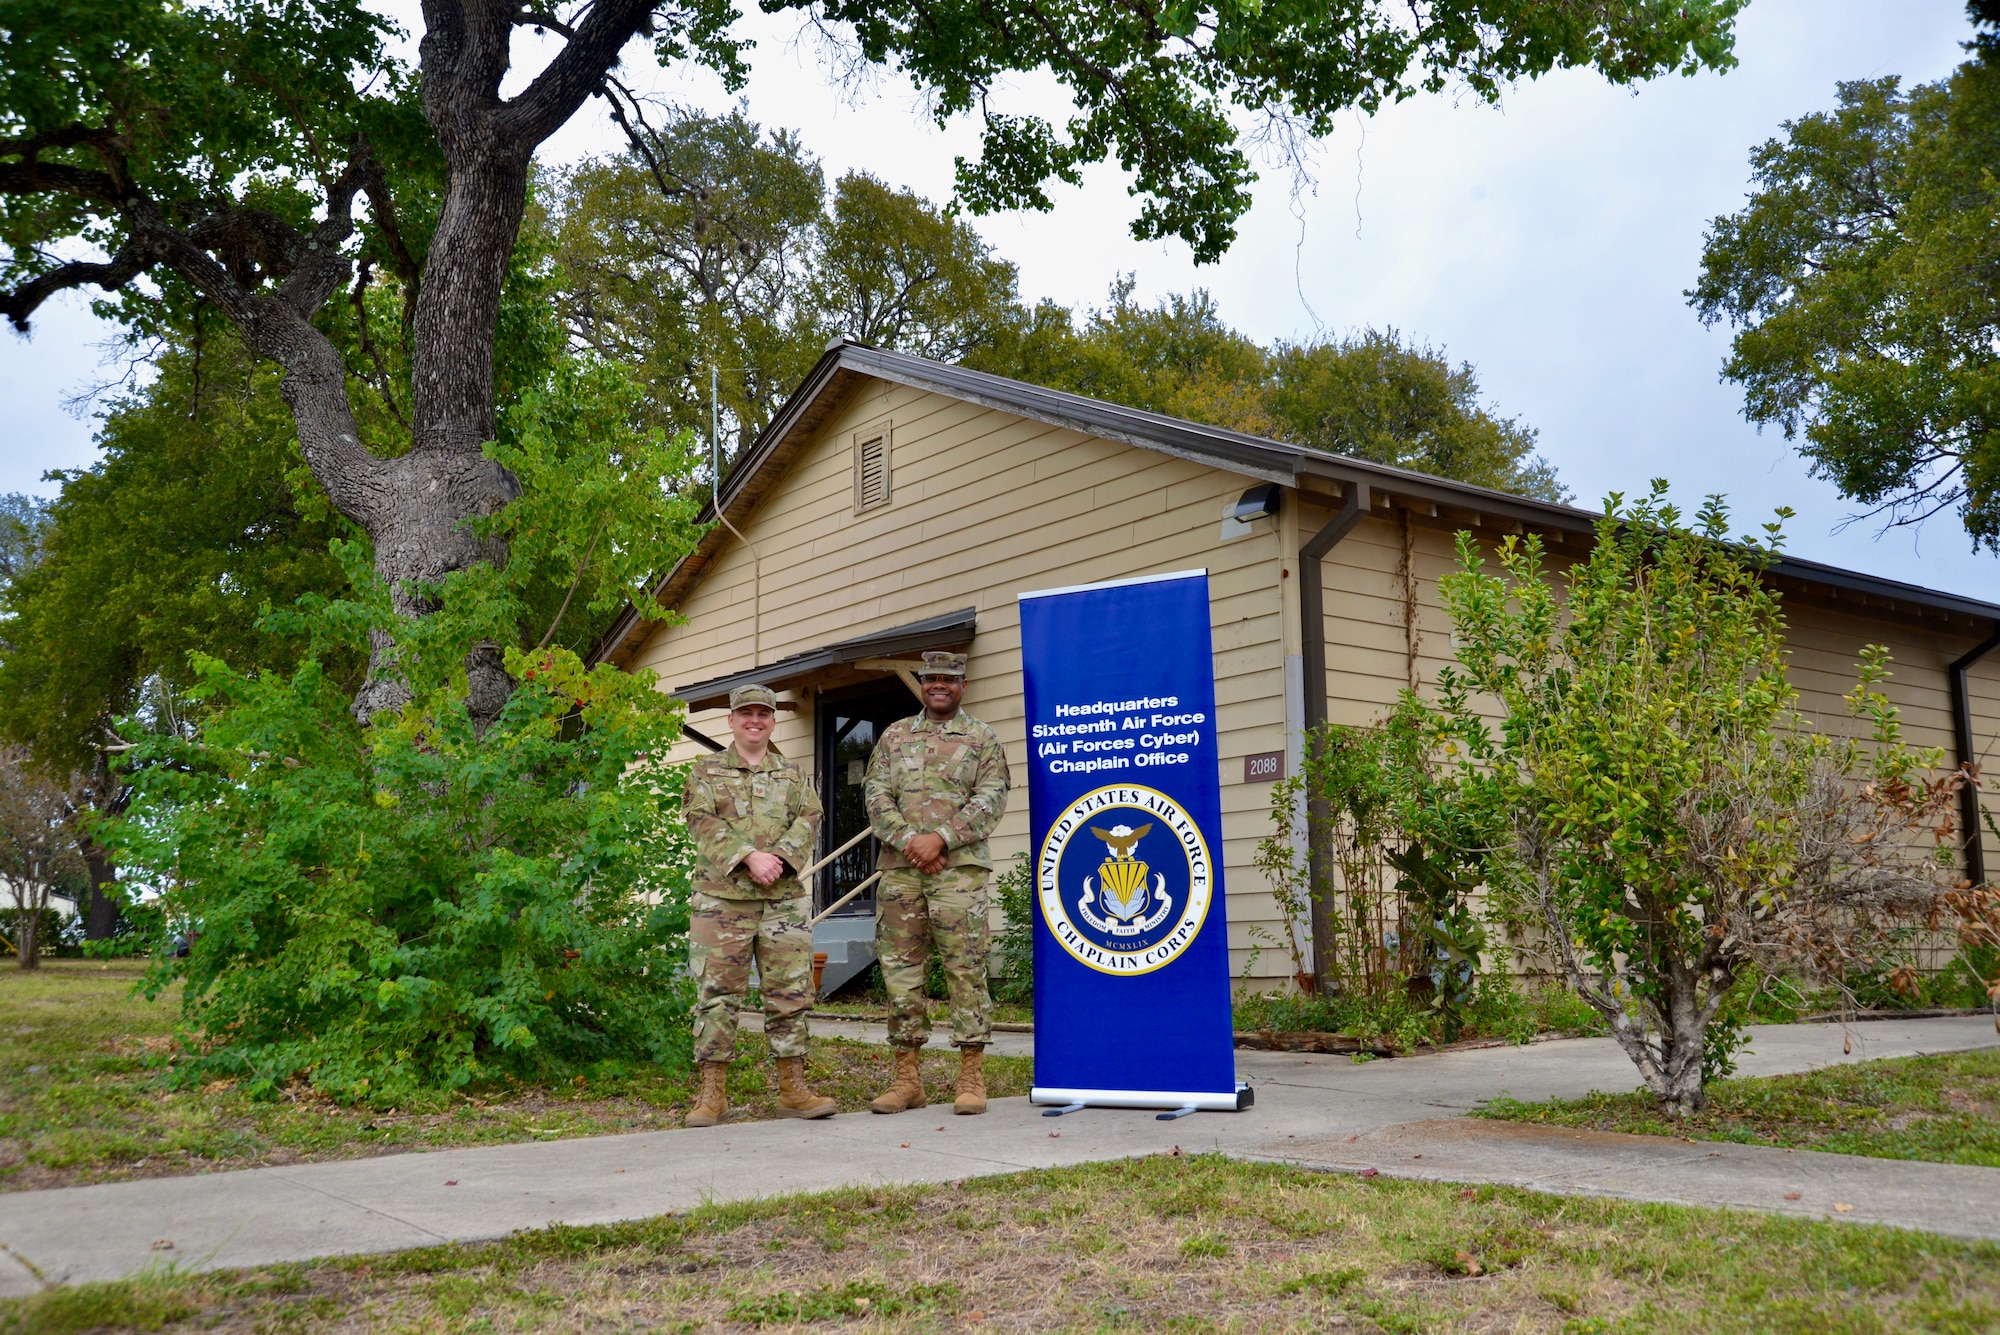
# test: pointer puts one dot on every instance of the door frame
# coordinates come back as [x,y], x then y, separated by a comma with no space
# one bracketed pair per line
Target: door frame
[827,707]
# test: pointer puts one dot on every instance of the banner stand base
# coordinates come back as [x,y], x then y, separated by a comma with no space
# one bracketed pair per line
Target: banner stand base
[1178,1104]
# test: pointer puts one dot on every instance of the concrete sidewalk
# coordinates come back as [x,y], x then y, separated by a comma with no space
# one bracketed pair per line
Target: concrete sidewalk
[1952,1199]
[1307,1108]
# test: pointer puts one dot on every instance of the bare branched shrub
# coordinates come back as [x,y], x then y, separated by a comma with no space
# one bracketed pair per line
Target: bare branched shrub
[38,843]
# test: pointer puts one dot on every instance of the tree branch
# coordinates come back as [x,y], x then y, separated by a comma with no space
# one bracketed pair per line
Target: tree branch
[376,185]
[59,178]
[384,386]
[538,18]
[322,267]
[106,143]
[612,88]
[131,260]
[577,70]
[582,568]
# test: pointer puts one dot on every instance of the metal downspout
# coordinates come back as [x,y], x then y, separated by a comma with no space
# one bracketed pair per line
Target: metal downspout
[1961,732]
[1312,643]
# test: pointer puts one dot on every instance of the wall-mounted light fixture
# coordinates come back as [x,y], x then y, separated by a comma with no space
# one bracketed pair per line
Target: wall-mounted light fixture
[1260,502]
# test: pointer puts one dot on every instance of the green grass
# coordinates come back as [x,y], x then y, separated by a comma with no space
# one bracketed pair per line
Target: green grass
[1945,1109]
[1164,1243]
[87,1093]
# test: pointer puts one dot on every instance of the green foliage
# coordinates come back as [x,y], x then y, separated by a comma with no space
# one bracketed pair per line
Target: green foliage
[255,99]
[1178,357]
[1657,688]
[1014,962]
[698,264]
[1490,1006]
[1372,395]
[1404,931]
[896,272]
[198,517]
[414,904]
[1437,889]
[1157,90]
[24,523]
[421,903]
[721,248]
[1862,276]
[1663,819]
[592,477]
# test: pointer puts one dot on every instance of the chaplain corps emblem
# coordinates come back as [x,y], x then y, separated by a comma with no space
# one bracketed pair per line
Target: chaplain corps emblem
[1124,879]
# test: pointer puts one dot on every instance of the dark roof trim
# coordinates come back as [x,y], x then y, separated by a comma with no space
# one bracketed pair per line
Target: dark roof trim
[1251,456]
[938,632]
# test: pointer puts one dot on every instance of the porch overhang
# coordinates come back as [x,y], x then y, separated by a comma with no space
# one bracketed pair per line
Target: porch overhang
[949,630]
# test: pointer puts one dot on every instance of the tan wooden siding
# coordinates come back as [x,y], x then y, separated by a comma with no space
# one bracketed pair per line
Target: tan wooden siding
[1366,647]
[985,505]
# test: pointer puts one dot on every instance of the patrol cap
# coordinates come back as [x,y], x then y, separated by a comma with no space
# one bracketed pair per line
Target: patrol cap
[753,694]
[938,663]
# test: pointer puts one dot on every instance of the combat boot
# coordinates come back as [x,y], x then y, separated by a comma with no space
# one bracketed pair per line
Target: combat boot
[908,1091]
[971,1079]
[795,1099]
[712,1104]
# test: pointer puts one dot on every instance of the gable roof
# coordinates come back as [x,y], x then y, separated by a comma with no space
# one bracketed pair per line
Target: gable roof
[761,468]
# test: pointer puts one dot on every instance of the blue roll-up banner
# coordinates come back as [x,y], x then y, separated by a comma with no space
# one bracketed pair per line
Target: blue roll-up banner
[1125,807]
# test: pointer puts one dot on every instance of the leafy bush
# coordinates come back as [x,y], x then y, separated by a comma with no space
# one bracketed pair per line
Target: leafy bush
[1014,979]
[1668,822]
[416,904]
[1396,926]
[1492,1007]
[431,900]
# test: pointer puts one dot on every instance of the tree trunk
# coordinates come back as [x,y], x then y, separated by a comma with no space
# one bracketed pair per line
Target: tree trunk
[108,797]
[100,914]
[27,935]
[1668,1051]
[421,523]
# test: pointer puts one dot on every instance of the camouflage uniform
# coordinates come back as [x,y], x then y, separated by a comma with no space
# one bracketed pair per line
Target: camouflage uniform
[734,808]
[949,779]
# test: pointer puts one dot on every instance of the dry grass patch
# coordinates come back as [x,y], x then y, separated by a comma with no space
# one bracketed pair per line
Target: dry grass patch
[86,1094]
[1166,1243]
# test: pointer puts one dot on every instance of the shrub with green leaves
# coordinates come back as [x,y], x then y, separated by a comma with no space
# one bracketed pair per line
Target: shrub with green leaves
[1667,822]
[1014,955]
[428,901]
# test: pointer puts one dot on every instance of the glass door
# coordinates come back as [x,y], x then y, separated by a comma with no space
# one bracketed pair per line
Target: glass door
[850,722]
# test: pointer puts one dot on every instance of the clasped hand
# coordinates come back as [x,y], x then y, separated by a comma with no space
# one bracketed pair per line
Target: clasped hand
[764,868]
[926,852]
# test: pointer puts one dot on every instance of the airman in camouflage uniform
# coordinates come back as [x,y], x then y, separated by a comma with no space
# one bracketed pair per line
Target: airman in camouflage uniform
[936,787]
[754,817]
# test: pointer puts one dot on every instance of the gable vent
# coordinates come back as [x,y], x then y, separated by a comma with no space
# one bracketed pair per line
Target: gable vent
[871,468]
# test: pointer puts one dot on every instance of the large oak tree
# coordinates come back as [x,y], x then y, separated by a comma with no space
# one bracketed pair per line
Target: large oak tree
[252,157]
[1863,277]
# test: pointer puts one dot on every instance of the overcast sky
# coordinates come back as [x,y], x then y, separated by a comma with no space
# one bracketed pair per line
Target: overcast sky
[1547,241]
